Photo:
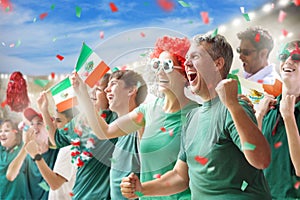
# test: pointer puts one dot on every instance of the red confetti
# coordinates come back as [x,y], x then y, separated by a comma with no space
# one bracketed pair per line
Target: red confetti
[257,37]
[103,115]
[4,103]
[43,15]
[139,117]
[156,175]
[101,34]
[59,57]
[52,75]
[163,129]
[285,32]
[166,5]
[143,34]
[171,132]
[66,129]
[277,144]
[71,194]
[260,81]
[79,162]
[113,7]
[201,160]
[297,185]
[281,16]
[6,4]
[123,68]
[205,18]
[297,2]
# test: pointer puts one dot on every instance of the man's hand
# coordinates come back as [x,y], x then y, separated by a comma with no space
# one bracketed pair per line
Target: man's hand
[130,185]
[287,106]
[227,90]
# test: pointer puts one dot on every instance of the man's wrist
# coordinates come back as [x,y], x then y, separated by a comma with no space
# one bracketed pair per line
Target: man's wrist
[37,157]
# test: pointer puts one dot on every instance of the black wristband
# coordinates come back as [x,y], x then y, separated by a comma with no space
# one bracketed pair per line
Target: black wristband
[37,157]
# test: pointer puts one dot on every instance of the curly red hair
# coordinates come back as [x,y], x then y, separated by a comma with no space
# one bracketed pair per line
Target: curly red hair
[178,47]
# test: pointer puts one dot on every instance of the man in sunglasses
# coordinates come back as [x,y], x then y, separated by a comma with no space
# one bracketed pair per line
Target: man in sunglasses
[255,46]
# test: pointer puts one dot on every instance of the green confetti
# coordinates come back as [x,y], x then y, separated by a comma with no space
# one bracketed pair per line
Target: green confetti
[191,21]
[47,127]
[7,8]
[18,43]
[246,16]
[214,33]
[78,11]
[113,160]
[54,39]
[138,85]
[233,76]
[143,55]
[248,146]
[210,169]
[244,185]
[235,71]
[41,82]
[184,4]
[52,6]
[115,69]
[34,19]
[44,186]
[139,194]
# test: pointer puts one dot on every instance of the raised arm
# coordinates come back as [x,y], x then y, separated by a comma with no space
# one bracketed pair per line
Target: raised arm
[54,180]
[174,181]
[248,131]
[43,107]
[287,109]
[122,126]
[16,164]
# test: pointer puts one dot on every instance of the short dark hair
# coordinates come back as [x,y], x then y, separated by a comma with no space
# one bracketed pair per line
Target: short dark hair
[265,39]
[131,78]
[217,47]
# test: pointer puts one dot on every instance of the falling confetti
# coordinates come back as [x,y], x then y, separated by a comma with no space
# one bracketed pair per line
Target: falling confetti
[52,6]
[40,82]
[281,16]
[210,169]
[297,185]
[71,194]
[52,75]
[260,81]
[101,34]
[113,7]
[297,2]
[43,15]
[257,37]
[44,186]
[204,16]
[166,5]
[285,32]
[184,4]
[4,103]
[103,115]
[171,132]
[235,71]
[244,185]
[156,176]
[277,144]
[248,146]
[246,16]
[142,34]
[18,43]
[54,39]
[11,45]
[34,20]
[3,44]
[78,11]
[242,10]
[140,117]
[201,160]
[139,194]
[214,33]
[163,129]
[115,69]
[112,160]
[59,57]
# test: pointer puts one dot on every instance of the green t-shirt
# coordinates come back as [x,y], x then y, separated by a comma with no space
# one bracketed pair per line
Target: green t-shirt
[125,159]
[280,174]
[17,188]
[160,143]
[37,187]
[92,179]
[211,148]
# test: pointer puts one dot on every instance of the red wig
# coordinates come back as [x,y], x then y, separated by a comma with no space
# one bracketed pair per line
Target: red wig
[178,47]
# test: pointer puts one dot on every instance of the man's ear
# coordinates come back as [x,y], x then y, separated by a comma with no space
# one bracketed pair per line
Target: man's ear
[263,53]
[219,63]
[133,90]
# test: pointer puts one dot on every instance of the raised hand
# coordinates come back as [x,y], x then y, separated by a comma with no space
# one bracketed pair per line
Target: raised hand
[130,185]
[42,102]
[227,90]
[287,106]
[77,83]
[265,104]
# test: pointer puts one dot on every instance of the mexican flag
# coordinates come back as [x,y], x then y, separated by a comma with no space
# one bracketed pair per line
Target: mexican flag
[90,67]
[63,95]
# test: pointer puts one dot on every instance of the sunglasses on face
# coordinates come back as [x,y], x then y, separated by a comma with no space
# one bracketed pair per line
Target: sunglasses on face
[245,52]
[167,65]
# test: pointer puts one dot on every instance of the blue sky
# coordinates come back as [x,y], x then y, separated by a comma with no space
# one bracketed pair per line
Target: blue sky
[37,42]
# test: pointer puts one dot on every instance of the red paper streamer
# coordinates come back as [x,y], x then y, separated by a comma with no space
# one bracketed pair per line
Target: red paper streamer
[59,57]
[43,15]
